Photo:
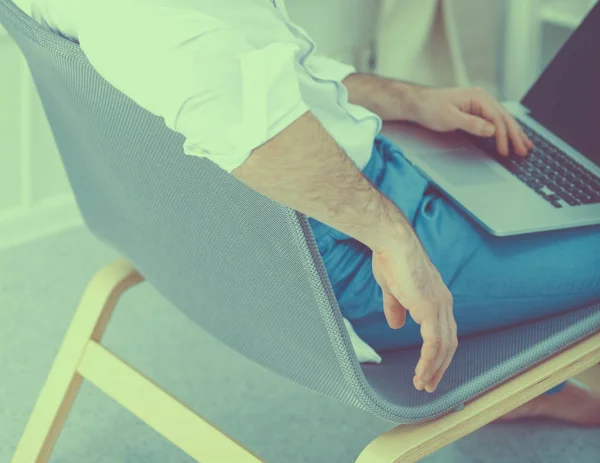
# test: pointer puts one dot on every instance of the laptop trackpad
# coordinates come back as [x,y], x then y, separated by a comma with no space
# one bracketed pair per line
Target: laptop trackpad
[462,167]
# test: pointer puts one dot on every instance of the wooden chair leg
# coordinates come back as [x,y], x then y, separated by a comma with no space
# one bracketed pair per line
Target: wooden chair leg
[411,443]
[175,421]
[63,382]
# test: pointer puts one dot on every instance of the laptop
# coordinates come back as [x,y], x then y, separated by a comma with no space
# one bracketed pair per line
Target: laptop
[557,185]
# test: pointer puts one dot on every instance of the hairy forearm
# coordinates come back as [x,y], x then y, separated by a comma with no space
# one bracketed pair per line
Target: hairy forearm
[389,99]
[304,169]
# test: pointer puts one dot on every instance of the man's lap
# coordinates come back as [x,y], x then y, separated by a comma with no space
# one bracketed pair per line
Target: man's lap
[496,282]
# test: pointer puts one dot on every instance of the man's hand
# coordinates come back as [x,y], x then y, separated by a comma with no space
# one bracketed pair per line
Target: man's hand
[473,110]
[303,168]
[409,281]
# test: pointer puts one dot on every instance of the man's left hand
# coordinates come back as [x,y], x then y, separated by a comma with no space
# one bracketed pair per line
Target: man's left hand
[473,110]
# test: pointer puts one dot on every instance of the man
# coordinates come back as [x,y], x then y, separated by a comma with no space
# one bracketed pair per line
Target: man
[241,82]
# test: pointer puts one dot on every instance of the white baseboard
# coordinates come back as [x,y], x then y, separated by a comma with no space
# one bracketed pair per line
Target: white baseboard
[52,216]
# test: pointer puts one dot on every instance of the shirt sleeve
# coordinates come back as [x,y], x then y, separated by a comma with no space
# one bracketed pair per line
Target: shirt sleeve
[329,68]
[225,96]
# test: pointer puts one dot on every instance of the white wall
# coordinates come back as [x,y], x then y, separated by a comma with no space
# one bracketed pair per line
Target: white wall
[35,198]
[342,29]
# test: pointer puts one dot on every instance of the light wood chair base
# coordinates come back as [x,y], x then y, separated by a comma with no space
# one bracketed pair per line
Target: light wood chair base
[411,443]
[81,356]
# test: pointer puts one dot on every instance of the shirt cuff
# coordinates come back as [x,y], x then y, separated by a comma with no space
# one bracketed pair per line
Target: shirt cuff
[322,66]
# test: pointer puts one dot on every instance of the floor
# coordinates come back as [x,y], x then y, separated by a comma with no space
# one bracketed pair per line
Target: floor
[40,284]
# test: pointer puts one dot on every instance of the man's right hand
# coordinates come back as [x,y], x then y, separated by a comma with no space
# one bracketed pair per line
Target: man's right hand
[409,281]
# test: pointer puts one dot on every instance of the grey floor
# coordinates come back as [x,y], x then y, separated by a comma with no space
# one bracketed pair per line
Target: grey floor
[40,284]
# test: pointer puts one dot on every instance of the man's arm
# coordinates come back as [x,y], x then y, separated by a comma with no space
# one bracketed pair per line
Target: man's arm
[303,168]
[374,93]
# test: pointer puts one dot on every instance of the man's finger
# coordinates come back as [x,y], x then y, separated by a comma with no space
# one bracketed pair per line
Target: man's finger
[530,144]
[450,326]
[490,111]
[432,339]
[525,138]
[515,133]
[474,125]
[395,313]
[444,345]
[435,381]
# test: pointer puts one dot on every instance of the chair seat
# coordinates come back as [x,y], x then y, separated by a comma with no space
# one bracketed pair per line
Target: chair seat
[481,362]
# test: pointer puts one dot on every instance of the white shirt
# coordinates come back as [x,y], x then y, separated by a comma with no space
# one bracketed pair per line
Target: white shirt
[226,74]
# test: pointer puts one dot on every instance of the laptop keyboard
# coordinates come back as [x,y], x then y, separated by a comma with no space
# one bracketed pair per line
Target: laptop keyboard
[549,172]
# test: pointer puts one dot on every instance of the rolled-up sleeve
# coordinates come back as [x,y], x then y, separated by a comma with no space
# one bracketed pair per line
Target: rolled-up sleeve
[323,66]
[225,96]
[251,103]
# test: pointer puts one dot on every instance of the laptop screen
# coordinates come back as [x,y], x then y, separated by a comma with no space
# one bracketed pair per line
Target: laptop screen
[566,98]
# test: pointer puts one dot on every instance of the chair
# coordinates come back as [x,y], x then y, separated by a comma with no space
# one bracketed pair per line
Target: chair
[248,271]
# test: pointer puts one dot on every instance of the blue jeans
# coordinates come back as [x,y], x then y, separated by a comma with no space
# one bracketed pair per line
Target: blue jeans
[496,282]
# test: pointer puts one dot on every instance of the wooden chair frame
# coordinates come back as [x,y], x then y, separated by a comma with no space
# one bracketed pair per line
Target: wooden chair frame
[81,356]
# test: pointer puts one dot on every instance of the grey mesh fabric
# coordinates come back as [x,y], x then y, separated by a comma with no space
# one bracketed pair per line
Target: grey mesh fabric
[241,266]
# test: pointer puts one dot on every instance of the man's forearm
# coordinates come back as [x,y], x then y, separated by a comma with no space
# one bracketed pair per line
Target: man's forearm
[389,99]
[304,168]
